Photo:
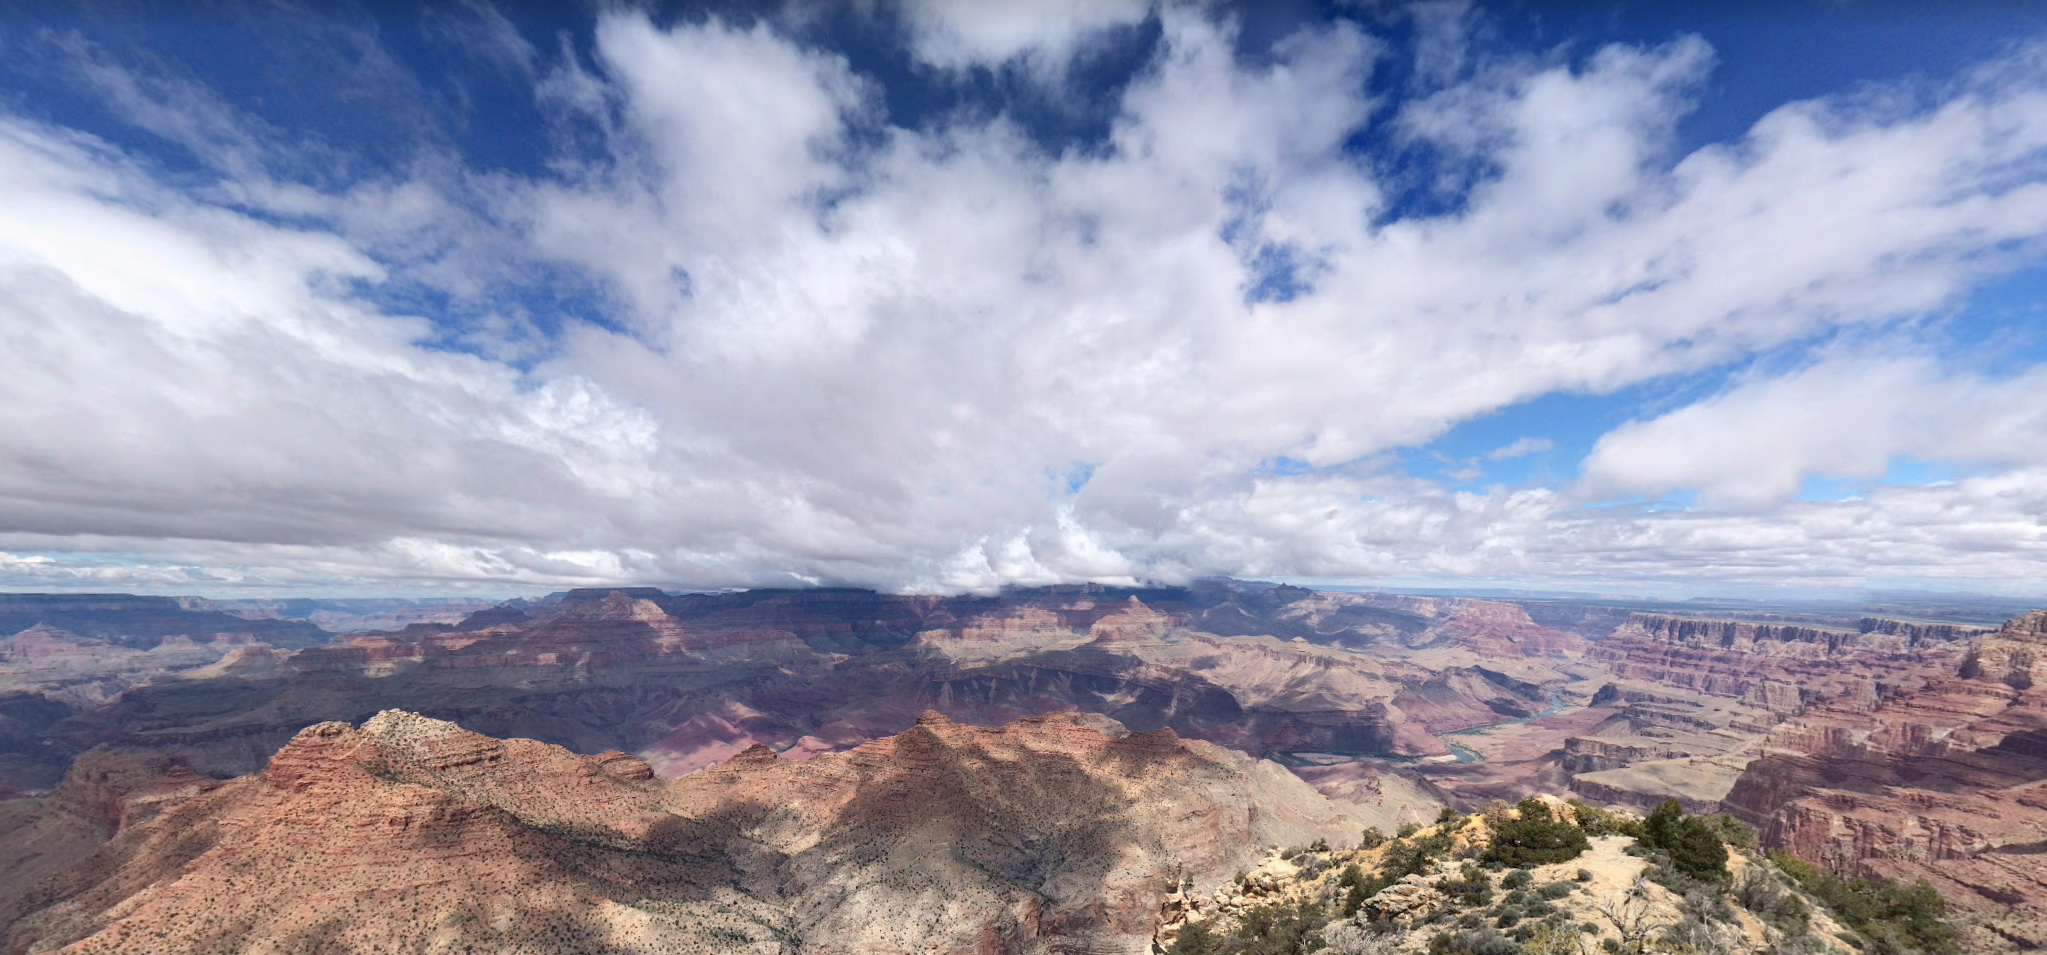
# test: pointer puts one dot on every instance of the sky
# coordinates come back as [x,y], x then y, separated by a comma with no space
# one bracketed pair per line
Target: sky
[940,296]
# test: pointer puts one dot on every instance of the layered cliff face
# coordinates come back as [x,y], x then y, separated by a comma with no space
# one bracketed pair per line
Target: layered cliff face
[1778,668]
[1943,779]
[413,835]
[685,681]
[1693,699]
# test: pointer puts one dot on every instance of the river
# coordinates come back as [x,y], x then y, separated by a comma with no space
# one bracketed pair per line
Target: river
[1464,755]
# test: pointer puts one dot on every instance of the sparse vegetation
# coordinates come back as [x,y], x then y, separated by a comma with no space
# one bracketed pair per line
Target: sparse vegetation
[1535,837]
[1278,929]
[1691,844]
[1602,822]
[1889,917]
[1466,909]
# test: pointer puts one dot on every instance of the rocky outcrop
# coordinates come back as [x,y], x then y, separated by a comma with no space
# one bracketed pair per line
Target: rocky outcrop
[1944,780]
[103,793]
[1916,634]
[1488,627]
[1439,898]
[412,835]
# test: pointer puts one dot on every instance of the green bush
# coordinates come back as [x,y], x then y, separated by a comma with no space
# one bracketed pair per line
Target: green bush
[1519,878]
[1471,887]
[1601,822]
[1761,892]
[1692,844]
[1889,915]
[1482,941]
[1413,857]
[1732,831]
[1194,939]
[1536,838]
[1354,887]
[1279,929]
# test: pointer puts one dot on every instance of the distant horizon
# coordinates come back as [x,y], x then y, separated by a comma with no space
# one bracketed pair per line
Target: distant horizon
[1838,602]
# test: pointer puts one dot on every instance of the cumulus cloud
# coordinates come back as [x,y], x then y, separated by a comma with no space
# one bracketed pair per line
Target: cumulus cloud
[956,34]
[1847,417]
[833,349]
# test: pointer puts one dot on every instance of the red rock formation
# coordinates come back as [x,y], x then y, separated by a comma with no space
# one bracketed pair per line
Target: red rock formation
[412,835]
[1775,667]
[687,680]
[1486,626]
[1944,780]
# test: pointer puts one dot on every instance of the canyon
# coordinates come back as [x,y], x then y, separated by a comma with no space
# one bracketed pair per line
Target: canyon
[1901,746]
[1056,833]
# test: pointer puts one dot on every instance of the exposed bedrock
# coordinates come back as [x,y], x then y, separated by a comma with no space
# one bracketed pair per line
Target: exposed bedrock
[689,680]
[409,834]
[1943,779]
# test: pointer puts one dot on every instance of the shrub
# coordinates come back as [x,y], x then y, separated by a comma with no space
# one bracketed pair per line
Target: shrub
[1760,891]
[1280,929]
[1195,939]
[1481,941]
[1406,829]
[1556,890]
[1348,938]
[1601,822]
[1450,819]
[1471,887]
[1584,875]
[1354,887]
[1550,939]
[1536,838]
[1519,878]
[1372,838]
[1732,831]
[1892,916]
[1413,857]
[1693,844]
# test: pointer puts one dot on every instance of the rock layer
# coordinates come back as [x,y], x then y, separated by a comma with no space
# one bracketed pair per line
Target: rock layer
[413,835]
[1943,779]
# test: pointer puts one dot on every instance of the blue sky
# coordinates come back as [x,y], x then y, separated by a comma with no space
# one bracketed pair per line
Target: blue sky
[1658,298]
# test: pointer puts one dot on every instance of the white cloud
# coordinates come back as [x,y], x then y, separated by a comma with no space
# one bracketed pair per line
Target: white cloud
[955,34]
[1846,417]
[1520,448]
[882,362]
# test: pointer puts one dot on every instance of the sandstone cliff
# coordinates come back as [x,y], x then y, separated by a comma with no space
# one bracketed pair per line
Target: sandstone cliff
[1943,779]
